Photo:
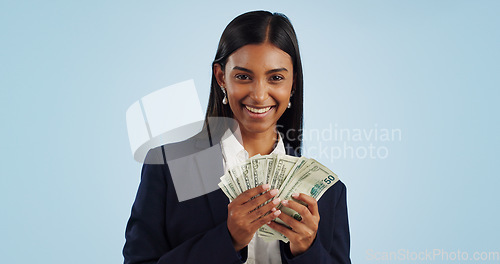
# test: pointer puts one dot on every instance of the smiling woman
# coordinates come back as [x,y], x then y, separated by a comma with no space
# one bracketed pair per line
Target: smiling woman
[262,51]
[257,81]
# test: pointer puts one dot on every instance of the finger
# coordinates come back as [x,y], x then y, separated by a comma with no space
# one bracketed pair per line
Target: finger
[289,233]
[267,218]
[302,210]
[312,204]
[299,233]
[296,226]
[261,211]
[256,202]
[248,194]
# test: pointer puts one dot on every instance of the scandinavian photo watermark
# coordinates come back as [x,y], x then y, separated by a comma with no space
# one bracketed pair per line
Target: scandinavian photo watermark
[336,142]
[435,254]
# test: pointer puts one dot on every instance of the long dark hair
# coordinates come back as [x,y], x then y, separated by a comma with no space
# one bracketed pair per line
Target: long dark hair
[254,28]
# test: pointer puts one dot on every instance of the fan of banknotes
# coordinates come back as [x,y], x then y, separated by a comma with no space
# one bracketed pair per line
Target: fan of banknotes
[286,173]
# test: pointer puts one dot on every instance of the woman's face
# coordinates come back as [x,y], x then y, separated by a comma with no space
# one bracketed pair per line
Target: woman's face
[258,80]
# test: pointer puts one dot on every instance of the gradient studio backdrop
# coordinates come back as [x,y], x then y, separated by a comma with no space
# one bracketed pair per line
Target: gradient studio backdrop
[428,69]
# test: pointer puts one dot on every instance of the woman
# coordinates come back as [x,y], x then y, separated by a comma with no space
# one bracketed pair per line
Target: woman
[257,80]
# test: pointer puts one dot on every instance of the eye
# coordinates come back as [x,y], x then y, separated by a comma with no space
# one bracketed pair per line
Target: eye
[277,78]
[242,77]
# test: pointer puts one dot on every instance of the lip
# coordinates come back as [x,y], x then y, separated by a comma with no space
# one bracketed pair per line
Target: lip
[258,115]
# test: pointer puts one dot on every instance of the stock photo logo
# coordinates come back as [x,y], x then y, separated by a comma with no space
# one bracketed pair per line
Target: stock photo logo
[336,142]
[168,127]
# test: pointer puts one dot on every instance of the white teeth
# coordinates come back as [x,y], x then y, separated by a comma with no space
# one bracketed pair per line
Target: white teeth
[258,110]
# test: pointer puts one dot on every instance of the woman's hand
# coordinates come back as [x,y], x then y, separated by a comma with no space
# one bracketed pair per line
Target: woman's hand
[303,232]
[245,217]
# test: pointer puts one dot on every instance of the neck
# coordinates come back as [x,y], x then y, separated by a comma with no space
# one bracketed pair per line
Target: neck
[259,143]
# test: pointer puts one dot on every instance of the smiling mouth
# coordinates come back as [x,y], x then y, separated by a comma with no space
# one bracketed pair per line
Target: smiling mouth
[258,110]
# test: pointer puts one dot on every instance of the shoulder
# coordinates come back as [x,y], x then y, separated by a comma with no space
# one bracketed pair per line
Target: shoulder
[289,149]
[160,155]
[334,195]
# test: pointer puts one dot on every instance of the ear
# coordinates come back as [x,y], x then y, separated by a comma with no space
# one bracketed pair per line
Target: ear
[293,86]
[219,74]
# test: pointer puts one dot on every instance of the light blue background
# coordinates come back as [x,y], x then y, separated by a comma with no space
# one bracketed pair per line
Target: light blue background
[70,70]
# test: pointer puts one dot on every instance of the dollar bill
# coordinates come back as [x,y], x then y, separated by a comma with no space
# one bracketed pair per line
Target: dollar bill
[223,187]
[229,186]
[288,174]
[270,159]
[237,179]
[245,174]
[258,166]
[283,165]
[313,181]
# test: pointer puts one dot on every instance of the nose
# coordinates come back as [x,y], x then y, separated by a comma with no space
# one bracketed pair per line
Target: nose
[260,92]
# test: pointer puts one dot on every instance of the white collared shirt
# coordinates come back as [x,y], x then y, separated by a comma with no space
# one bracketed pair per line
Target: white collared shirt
[233,153]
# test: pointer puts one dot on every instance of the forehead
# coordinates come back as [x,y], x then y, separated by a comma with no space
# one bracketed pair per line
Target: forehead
[263,56]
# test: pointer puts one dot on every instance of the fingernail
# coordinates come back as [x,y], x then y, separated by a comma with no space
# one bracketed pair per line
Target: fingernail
[274,192]
[276,201]
[274,209]
[285,202]
[277,213]
[295,195]
[265,187]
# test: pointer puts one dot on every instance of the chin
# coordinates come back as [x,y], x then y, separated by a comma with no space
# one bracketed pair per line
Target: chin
[258,128]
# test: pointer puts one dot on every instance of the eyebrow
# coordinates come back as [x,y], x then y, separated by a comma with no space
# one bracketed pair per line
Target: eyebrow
[250,71]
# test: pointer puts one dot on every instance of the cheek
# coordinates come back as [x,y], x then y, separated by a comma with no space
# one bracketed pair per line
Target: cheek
[236,92]
[234,97]
[283,95]
[282,99]
[285,91]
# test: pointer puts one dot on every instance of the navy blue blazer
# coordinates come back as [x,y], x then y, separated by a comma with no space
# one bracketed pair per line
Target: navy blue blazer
[163,230]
